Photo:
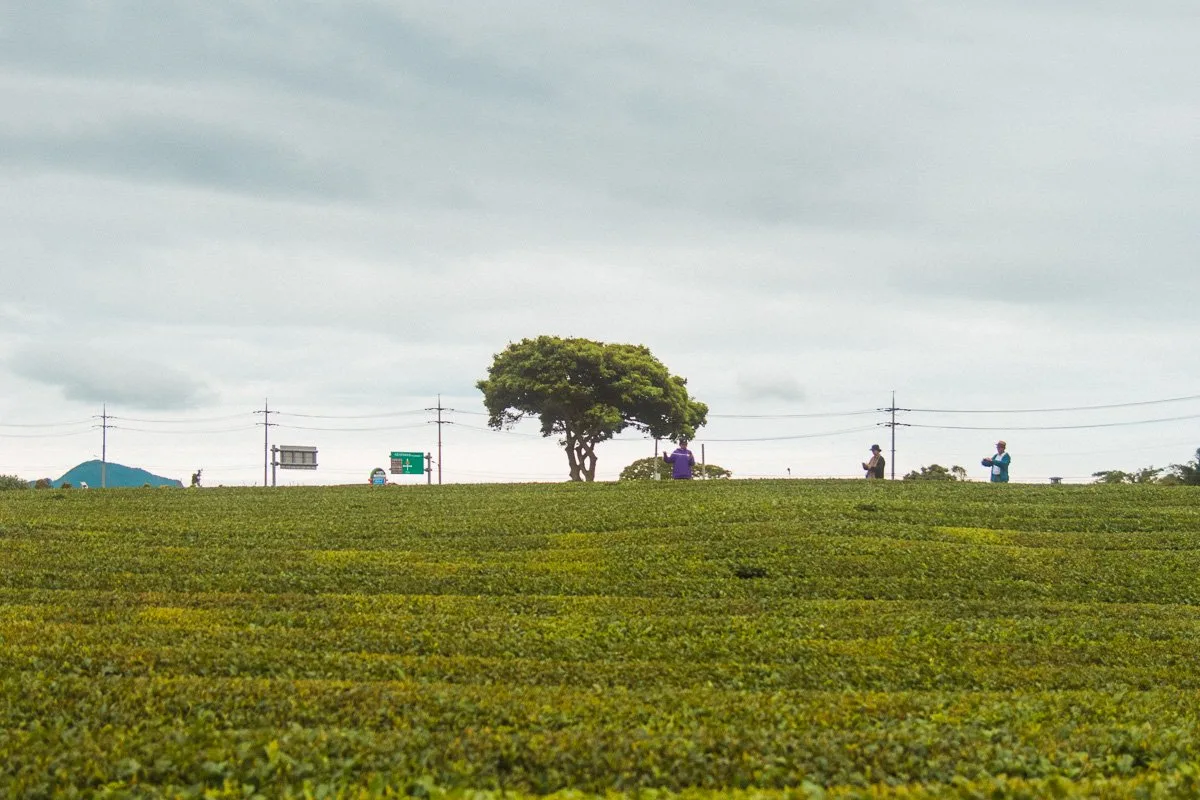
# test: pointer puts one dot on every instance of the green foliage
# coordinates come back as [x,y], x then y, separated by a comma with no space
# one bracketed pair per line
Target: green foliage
[744,639]
[12,482]
[711,472]
[1187,474]
[43,483]
[644,469]
[588,392]
[936,472]
[1146,475]
[1143,475]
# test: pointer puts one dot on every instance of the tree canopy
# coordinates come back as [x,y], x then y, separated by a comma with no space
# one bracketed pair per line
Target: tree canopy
[936,472]
[587,392]
[1143,475]
[1187,474]
[12,482]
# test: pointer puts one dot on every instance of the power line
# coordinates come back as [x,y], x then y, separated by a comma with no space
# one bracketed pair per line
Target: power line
[44,435]
[87,421]
[698,438]
[184,433]
[795,416]
[798,415]
[795,436]
[1055,427]
[352,416]
[196,421]
[394,420]
[347,430]
[506,432]
[1054,410]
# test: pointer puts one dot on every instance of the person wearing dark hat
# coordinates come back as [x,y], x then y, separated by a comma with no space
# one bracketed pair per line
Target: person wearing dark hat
[874,466]
[999,463]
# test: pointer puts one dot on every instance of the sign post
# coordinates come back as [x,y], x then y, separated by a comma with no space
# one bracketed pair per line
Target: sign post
[290,456]
[406,463]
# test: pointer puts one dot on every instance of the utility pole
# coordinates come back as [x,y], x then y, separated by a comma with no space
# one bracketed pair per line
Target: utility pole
[267,424]
[104,426]
[439,408]
[892,424]
[893,427]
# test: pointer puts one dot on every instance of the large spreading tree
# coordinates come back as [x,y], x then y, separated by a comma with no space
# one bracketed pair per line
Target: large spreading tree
[587,392]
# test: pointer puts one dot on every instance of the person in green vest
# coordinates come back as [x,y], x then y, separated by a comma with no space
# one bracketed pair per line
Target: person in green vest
[999,463]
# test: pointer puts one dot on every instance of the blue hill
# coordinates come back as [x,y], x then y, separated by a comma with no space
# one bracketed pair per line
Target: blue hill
[115,476]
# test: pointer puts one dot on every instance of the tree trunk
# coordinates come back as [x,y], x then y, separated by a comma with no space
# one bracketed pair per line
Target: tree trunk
[581,456]
[587,460]
[572,458]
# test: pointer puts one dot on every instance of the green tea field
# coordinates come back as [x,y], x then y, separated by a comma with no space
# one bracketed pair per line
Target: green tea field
[707,639]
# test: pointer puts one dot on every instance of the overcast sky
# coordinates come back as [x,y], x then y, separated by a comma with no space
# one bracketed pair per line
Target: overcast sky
[349,207]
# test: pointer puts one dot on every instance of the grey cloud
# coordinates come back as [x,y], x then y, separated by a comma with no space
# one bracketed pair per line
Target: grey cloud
[758,388]
[487,113]
[186,152]
[90,375]
[773,166]
[360,50]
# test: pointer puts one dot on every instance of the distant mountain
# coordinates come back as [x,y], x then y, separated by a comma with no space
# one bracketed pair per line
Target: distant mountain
[115,476]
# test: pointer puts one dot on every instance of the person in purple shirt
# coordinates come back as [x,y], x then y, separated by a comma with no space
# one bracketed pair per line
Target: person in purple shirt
[681,461]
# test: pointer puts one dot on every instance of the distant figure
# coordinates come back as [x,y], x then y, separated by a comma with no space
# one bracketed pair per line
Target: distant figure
[999,463]
[874,466]
[196,479]
[681,461]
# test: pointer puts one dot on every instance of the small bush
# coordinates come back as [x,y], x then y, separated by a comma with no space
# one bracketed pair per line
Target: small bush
[645,469]
[12,482]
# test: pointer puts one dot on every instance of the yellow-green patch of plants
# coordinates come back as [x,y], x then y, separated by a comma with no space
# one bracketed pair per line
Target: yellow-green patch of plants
[774,639]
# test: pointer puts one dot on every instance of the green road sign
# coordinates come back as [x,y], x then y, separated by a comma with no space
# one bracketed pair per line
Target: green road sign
[408,463]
